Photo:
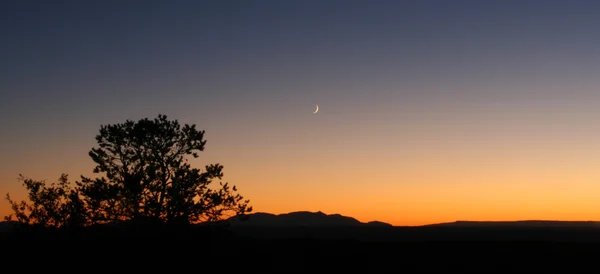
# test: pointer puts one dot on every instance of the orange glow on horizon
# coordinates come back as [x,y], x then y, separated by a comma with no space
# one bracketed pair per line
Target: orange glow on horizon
[416,189]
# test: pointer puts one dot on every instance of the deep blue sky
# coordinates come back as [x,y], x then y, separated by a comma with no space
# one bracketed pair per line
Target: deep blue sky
[413,94]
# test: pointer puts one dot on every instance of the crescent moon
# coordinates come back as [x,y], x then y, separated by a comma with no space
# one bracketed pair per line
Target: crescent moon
[316,110]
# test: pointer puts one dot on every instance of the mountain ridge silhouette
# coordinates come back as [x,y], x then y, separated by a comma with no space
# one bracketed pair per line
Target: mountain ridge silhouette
[319,218]
[299,218]
[518,223]
[308,218]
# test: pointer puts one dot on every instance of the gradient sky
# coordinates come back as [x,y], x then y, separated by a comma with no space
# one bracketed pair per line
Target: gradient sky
[430,111]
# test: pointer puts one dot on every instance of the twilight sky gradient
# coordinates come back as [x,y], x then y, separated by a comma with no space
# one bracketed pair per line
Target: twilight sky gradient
[430,111]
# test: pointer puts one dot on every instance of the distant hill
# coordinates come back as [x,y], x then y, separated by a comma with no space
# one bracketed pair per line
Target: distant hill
[320,219]
[518,224]
[310,219]
[296,219]
[300,218]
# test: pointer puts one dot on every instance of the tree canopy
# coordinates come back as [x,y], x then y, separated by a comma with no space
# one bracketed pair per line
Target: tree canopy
[144,175]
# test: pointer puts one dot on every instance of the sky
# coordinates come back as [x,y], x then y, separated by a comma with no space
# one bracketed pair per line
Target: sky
[430,111]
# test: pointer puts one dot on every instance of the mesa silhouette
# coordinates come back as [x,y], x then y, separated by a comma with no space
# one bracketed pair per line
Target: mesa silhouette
[520,224]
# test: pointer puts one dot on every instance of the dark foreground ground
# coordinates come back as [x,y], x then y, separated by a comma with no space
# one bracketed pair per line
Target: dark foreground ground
[304,250]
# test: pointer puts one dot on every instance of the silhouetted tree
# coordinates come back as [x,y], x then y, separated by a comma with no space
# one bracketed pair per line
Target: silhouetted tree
[147,176]
[54,205]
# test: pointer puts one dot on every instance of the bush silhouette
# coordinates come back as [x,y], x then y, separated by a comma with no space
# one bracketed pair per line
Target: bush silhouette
[145,179]
[54,205]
